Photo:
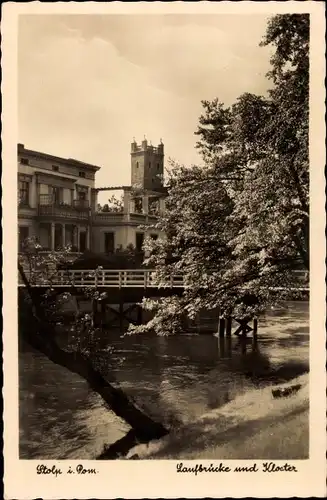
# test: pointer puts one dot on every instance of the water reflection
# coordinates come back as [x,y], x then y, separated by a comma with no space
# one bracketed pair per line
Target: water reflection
[176,379]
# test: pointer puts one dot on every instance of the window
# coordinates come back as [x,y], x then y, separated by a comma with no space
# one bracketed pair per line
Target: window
[109,242]
[81,174]
[82,200]
[23,233]
[82,241]
[139,242]
[138,208]
[24,161]
[23,194]
[56,195]
[158,166]
[154,236]
[81,195]
[137,164]
[55,168]
[149,164]
[153,204]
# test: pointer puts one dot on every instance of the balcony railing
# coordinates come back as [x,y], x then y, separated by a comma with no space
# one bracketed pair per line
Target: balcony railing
[25,209]
[81,204]
[49,206]
[121,217]
[111,217]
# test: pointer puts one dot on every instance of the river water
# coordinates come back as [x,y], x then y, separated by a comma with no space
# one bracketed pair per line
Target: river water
[176,379]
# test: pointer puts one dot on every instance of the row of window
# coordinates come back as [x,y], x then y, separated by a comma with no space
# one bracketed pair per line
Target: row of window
[109,239]
[23,234]
[55,168]
[55,191]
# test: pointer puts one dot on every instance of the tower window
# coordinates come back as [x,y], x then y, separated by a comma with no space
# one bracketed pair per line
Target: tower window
[137,164]
[158,166]
[24,161]
[149,164]
[81,174]
[55,168]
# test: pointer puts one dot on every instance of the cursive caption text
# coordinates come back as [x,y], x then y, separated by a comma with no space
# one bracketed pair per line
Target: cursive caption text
[56,471]
[265,467]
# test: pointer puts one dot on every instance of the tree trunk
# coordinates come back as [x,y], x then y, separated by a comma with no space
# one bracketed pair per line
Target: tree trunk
[41,336]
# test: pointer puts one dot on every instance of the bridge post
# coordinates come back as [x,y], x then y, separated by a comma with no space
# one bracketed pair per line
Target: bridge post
[221,327]
[229,327]
[255,330]
[121,310]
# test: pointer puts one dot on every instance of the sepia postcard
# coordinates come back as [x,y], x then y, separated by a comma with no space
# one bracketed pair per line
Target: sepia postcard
[163,198]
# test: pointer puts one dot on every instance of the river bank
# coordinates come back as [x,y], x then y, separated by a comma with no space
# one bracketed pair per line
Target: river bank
[175,379]
[254,425]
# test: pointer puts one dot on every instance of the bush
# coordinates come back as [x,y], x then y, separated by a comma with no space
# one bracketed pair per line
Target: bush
[120,259]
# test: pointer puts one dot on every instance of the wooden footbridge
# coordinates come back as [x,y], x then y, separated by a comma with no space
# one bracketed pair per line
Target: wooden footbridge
[126,278]
[125,289]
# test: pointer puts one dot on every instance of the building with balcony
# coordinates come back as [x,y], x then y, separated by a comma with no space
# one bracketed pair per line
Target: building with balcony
[57,201]
[54,200]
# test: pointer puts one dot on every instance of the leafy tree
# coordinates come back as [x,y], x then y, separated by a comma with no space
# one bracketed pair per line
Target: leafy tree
[238,227]
[231,137]
[275,198]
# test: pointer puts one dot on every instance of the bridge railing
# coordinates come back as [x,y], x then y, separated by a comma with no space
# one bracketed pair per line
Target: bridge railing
[120,278]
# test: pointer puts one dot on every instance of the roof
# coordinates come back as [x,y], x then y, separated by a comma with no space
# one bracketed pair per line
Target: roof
[66,161]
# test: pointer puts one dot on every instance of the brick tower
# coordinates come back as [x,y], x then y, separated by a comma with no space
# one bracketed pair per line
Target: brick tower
[147,166]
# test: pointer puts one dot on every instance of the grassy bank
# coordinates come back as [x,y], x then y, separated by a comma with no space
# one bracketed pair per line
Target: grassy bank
[252,426]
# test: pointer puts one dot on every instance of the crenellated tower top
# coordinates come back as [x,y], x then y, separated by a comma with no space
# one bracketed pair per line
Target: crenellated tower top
[147,165]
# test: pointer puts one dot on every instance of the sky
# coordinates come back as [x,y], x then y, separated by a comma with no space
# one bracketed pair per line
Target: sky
[88,84]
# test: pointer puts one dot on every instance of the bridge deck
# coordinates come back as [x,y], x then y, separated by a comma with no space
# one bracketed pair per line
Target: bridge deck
[125,278]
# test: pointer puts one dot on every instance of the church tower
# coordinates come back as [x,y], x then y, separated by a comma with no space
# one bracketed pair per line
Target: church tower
[147,166]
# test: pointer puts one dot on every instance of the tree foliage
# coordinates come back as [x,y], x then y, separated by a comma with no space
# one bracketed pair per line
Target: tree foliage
[237,227]
[114,205]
